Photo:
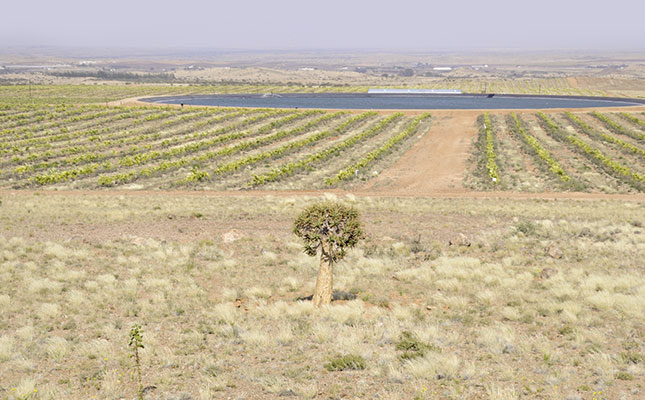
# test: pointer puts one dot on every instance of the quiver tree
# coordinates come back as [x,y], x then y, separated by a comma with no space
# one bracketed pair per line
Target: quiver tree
[331,228]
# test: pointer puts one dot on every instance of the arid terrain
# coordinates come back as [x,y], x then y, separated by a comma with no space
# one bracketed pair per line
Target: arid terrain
[565,73]
[504,298]
[502,257]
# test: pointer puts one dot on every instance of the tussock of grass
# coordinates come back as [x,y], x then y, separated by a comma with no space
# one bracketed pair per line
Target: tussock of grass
[412,347]
[624,376]
[482,313]
[346,362]
[527,228]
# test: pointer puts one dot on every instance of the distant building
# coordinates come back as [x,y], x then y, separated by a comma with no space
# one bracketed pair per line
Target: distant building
[442,68]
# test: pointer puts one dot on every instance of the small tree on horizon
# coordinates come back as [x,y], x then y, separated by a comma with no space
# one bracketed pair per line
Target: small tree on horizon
[333,228]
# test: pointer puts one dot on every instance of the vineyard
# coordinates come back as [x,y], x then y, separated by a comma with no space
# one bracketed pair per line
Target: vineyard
[450,294]
[83,94]
[96,146]
[592,152]
[70,140]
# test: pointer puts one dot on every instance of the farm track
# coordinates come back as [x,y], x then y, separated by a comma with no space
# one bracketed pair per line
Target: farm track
[435,163]
[638,197]
[433,166]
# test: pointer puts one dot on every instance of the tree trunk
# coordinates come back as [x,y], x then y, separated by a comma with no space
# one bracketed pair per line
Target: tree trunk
[325,281]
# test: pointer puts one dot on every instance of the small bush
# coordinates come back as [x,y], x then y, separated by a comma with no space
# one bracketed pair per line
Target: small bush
[528,228]
[565,330]
[629,357]
[349,361]
[412,347]
[624,376]
[197,175]
[416,246]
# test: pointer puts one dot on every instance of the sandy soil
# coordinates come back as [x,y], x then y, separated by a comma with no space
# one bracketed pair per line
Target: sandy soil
[175,219]
[433,167]
[436,163]
[447,194]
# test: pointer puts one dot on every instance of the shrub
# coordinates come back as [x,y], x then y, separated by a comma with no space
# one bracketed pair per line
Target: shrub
[349,361]
[412,347]
[528,228]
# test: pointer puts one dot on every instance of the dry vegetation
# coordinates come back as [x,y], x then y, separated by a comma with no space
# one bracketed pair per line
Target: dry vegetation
[454,299]
[570,73]
[445,298]
[67,92]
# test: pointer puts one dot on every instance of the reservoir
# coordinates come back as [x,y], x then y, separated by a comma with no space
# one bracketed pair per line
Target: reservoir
[365,101]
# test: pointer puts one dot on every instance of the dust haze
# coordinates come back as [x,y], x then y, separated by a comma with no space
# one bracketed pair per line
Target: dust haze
[334,24]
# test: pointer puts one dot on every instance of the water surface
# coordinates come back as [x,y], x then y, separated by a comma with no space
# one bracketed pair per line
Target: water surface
[396,101]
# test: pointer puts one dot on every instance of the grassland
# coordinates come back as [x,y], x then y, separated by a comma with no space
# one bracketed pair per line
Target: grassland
[457,298]
[453,299]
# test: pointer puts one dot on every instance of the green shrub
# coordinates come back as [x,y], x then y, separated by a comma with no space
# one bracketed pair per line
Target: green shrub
[629,357]
[528,228]
[624,376]
[349,361]
[412,347]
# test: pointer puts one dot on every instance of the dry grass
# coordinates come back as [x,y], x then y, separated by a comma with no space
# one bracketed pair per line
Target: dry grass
[504,319]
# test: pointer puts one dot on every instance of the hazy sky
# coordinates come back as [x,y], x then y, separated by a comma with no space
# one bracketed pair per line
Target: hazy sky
[327,24]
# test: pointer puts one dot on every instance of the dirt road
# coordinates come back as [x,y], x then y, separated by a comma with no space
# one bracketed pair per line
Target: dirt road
[432,168]
[457,194]
[436,163]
